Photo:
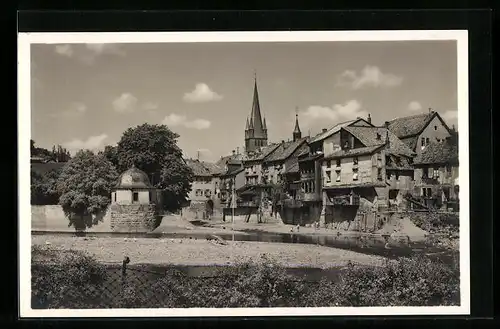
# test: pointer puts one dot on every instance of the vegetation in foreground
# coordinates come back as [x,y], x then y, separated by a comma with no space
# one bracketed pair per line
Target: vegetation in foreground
[76,280]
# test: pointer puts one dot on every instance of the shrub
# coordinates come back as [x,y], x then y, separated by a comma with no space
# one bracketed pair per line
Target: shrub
[67,280]
[415,281]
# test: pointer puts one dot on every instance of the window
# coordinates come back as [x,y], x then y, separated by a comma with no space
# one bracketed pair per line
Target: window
[379,173]
[355,160]
[328,164]
[422,140]
[435,173]
[435,127]
[425,172]
[338,162]
[208,193]
[328,176]
[115,196]
[135,196]
[337,179]
[427,141]
[355,174]
[198,192]
[397,176]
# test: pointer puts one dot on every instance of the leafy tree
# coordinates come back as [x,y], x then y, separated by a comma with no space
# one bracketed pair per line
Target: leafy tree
[146,146]
[154,149]
[111,153]
[85,186]
[44,187]
[175,182]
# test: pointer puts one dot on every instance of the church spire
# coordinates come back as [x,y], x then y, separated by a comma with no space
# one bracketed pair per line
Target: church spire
[256,128]
[297,134]
[256,116]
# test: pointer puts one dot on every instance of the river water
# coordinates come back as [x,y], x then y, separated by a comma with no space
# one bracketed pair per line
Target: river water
[380,246]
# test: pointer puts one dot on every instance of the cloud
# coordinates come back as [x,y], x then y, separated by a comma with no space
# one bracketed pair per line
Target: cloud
[414,106]
[88,53]
[349,110]
[201,93]
[125,103]
[106,48]
[149,106]
[93,143]
[450,117]
[64,50]
[370,76]
[176,120]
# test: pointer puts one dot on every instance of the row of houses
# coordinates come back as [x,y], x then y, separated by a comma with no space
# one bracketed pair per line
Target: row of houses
[352,168]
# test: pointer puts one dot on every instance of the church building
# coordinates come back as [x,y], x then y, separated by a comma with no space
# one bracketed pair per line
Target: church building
[255,129]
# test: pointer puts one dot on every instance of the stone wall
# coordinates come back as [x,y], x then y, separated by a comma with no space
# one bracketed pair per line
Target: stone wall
[134,218]
[52,218]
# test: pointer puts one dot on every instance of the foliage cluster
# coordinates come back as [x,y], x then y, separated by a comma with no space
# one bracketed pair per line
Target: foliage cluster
[405,282]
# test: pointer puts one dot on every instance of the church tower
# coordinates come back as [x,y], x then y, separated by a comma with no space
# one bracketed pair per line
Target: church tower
[256,128]
[297,134]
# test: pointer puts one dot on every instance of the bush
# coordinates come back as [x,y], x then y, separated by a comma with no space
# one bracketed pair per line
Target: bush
[80,282]
[441,223]
[67,280]
[415,281]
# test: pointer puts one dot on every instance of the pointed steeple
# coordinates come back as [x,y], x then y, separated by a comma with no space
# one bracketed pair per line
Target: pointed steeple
[256,116]
[247,125]
[297,134]
[265,125]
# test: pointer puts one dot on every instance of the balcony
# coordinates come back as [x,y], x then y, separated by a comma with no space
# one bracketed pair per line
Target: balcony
[429,181]
[399,185]
[252,204]
[290,203]
[309,197]
[344,200]
[306,175]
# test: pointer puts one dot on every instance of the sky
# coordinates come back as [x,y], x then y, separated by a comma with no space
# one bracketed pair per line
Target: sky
[87,95]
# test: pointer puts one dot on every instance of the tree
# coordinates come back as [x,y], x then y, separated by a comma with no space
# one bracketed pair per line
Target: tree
[111,153]
[44,187]
[154,150]
[146,146]
[85,186]
[175,182]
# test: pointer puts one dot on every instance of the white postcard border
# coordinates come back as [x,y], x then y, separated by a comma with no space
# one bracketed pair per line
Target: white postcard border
[24,127]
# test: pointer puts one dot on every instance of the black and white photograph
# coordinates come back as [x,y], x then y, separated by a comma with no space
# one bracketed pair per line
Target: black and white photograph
[243,173]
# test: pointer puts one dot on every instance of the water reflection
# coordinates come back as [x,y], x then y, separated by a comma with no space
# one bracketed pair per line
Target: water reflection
[382,246]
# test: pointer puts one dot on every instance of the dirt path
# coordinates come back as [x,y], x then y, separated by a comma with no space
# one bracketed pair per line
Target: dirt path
[203,252]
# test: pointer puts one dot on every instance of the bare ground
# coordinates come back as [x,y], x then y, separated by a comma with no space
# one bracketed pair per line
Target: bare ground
[203,252]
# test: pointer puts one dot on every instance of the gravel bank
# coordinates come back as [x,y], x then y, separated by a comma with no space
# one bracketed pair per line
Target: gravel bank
[203,252]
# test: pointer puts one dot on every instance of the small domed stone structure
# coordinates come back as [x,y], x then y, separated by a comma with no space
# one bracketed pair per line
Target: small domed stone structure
[134,203]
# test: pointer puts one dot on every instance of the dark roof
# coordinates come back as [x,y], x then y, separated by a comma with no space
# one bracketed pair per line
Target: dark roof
[335,129]
[311,157]
[42,168]
[232,170]
[133,178]
[398,163]
[353,152]
[410,141]
[414,124]
[261,153]
[372,136]
[285,150]
[410,125]
[438,153]
[198,168]
[303,153]
[213,168]
[331,131]
[294,168]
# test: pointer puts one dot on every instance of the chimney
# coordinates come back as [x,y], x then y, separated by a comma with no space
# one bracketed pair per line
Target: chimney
[234,152]
[324,130]
[369,119]
[386,124]
[430,110]
[237,150]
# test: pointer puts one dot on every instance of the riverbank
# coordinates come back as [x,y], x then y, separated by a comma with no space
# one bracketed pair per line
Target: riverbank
[202,252]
